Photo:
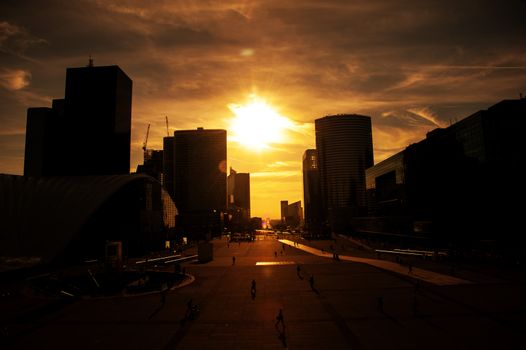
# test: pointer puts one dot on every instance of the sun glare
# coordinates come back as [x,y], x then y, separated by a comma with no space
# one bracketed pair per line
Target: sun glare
[257,125]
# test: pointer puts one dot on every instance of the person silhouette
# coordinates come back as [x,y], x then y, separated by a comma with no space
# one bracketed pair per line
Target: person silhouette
[253,289]
[233,260]
[279,319]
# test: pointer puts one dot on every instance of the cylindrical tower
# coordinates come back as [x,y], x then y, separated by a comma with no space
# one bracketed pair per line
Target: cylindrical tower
[345,149]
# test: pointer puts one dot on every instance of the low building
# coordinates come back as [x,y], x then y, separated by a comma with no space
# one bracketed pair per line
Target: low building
[458,183]
[70,219]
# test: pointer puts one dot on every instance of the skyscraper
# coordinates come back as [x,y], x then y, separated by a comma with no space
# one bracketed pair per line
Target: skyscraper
[311,191]
[284,211]
[239,199]
[239,190]
[200,180]
[40,141]
[98,111]
[345,149]
[87,132]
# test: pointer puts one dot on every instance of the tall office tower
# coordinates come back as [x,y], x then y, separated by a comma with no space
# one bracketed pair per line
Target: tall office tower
[39,149]
[97,121]
[312,192]
[87,132]
[200,180]
[345,149]
[44,130]
[284,211]
[168,165]
[153,165]
[238,189]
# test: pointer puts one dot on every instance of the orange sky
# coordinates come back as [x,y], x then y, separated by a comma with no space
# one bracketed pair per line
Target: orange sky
[411,65]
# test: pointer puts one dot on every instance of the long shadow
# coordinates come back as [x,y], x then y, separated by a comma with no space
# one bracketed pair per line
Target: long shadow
[391,318]
[156,311]
[282,337]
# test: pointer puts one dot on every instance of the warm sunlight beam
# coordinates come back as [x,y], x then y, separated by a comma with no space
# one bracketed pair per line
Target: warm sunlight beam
[257,125]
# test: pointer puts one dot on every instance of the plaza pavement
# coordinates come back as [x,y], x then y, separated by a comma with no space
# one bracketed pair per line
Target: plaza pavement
[416,273]
[342,313]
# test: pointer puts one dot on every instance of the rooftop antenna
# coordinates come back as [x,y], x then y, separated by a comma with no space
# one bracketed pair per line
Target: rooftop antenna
[90,62]
[167,130]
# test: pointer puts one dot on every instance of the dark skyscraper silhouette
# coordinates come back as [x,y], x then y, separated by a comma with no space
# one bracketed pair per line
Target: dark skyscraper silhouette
[200,180]
[86,133]
[312,191]
[98,108]
[41,142]
[345,149]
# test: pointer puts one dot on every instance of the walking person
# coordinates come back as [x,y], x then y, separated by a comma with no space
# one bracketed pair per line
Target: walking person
[188,312]
[253,289]
[280,320]
[281,332]
[233,260]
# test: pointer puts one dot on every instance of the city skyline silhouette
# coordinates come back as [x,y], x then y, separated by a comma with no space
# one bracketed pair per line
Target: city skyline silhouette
[359,161]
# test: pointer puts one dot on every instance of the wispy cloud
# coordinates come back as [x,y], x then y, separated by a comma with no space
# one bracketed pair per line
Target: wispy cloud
[412,70]
[15,40]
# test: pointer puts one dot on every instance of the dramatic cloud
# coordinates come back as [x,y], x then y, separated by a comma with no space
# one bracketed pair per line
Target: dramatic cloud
[14,79]
[411,65]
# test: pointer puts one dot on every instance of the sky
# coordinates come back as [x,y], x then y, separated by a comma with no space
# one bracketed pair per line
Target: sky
[412,65]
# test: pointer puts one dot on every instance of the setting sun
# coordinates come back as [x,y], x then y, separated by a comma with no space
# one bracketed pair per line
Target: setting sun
[256,124]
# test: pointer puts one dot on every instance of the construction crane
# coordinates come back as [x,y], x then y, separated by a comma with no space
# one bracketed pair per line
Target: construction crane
[145,143]
[167,130]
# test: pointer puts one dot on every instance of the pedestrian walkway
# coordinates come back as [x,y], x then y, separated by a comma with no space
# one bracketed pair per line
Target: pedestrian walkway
[421,274]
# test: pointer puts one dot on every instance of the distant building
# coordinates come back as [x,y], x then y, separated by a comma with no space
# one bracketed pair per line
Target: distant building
[86,133]
[200,181]
[312,192]
[291,215]
[238,187]
[294,215]
[256,223]
[153,165]
[284,205]
[345,149]
[168,165]
[459,182]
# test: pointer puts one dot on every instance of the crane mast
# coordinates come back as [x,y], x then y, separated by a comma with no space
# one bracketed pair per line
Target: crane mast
[145,143]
